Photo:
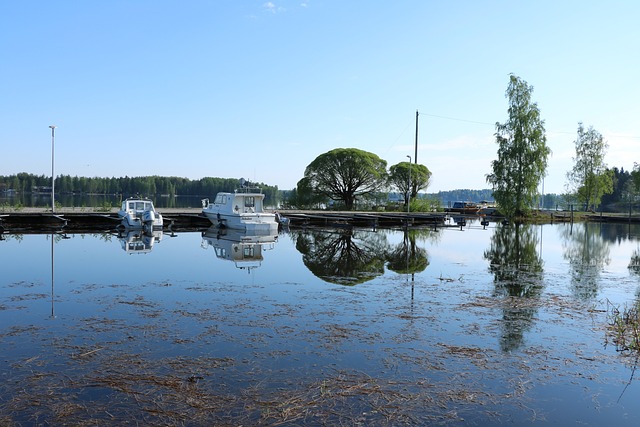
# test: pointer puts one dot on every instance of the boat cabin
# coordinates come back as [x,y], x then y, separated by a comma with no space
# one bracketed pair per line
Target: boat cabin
[239,203]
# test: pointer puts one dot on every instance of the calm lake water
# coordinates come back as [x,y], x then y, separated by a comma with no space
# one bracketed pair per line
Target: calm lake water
[477,326]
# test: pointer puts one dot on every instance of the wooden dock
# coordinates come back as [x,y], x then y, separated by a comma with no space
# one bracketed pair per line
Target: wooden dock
[363,219]
[72,220]
[191,219]
[65,220]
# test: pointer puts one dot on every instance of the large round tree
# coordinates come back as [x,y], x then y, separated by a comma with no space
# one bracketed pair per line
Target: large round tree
[409,179]
[345,174]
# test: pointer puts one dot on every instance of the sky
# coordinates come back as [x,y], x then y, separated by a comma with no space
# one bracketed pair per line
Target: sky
[258,90]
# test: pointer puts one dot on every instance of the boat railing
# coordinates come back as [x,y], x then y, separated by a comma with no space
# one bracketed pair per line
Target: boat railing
[249,189]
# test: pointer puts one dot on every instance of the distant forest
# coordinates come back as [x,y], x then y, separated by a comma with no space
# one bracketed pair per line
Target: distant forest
[153,186]
[144,186]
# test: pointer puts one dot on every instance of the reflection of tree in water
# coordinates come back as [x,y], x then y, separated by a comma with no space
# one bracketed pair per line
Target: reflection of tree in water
[517,269]
[587,253]
[345,257]
[407,257]
[634,263]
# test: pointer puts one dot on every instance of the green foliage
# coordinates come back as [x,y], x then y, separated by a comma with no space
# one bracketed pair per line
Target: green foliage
[6,207]
[105,207]
[590,179]
[346,174]
[303,196]
[409,179]
[522,153]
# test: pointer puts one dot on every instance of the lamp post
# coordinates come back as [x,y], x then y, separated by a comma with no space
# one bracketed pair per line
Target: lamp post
[53,177]
[409,187]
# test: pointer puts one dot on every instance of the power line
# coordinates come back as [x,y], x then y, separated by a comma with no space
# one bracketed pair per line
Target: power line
[610,135]
[457,120]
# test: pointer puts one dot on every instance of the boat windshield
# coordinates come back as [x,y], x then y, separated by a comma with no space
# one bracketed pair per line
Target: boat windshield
[221,199]
[140,205]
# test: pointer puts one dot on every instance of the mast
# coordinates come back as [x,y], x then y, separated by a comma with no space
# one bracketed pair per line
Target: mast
[415,156]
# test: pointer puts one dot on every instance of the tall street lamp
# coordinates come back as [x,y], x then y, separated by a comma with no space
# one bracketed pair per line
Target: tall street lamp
[53,177]
[409,187]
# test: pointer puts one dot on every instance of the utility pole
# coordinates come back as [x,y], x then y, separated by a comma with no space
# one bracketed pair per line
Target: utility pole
[415,156]
[53,177]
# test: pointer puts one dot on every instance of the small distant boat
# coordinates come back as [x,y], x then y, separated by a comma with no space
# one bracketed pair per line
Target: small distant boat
[465,207]
[487,207]
[139,214]
[242,211]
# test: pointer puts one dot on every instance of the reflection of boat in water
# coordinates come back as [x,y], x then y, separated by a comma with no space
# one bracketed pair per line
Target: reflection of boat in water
[465,208]
[139,214]
[138,241]
[244,249]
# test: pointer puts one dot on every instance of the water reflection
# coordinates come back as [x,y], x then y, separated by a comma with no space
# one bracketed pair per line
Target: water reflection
[173,335]
[53,313]
[587,252]
[54,237]
[139,241]
[407,257]
[517,268]
[245,250]
[634,263]
[353,256]
[342,256]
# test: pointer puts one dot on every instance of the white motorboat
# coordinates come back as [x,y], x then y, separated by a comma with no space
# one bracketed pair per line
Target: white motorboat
[240,211]
[243,248]
[139,214]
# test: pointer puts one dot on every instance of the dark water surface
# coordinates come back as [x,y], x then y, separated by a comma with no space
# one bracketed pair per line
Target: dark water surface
[359,327]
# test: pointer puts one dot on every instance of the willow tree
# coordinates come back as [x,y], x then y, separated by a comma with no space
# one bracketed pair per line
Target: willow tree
[409,179]
[590,179]
[346,174]
[522,152]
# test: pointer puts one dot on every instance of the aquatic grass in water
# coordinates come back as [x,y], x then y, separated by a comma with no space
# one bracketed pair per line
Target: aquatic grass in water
[624,326]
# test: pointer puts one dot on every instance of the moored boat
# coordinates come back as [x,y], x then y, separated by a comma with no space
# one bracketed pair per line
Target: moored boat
[464,208]
[240,211]
[139,214]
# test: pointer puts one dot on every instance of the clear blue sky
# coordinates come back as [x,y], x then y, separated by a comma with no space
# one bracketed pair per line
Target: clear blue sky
[257,89]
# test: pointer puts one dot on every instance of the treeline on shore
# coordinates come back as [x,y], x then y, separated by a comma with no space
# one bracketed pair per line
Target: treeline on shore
[144,186]
[152,186]
[620,199]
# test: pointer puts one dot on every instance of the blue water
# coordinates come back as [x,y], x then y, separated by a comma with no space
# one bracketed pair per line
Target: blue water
[473,327]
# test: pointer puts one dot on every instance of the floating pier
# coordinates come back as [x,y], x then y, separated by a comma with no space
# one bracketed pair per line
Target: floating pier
[363,219]
[194,220]
[17,222]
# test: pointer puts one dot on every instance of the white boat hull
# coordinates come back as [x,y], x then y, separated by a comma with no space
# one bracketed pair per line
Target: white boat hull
[132,223]
[258,223]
